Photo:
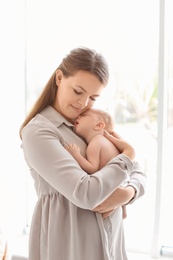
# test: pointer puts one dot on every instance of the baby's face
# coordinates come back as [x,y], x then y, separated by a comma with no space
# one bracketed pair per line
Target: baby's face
[85,122]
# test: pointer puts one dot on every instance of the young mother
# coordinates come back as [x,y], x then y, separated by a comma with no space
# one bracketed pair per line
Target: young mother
[64,224]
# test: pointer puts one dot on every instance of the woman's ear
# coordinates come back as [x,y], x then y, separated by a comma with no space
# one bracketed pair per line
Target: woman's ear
[59,76]
[99,126]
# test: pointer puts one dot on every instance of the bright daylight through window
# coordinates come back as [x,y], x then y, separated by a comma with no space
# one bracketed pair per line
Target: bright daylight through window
[127,32]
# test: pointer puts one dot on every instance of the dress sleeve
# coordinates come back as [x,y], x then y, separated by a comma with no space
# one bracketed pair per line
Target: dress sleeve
[137,179]
[45,154]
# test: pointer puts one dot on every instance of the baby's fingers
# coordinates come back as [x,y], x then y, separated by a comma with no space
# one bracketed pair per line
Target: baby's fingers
[68,147]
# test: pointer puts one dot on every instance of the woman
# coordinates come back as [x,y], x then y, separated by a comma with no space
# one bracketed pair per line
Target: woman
[64,224]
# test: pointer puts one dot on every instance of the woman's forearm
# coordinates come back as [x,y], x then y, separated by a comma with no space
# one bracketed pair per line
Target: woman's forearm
[119,197]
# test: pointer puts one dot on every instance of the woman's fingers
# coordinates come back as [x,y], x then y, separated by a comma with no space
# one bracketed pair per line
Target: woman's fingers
[119,197]
[107,214]
[115,135]
[121,144]
[112,137]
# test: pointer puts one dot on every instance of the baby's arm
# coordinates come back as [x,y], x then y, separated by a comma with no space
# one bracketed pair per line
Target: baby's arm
[91,164]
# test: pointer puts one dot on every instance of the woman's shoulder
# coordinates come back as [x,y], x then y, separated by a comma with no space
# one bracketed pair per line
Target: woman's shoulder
[38,121]
[39,124]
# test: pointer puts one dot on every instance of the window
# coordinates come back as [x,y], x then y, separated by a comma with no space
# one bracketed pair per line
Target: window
[130,43]
[127,33]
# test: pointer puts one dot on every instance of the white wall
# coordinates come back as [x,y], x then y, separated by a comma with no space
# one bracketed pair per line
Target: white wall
[12,110]
[126,36]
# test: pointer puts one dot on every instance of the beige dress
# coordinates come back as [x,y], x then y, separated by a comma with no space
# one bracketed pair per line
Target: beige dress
[64,227]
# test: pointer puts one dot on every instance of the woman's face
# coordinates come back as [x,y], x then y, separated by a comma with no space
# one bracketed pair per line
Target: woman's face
[76,93]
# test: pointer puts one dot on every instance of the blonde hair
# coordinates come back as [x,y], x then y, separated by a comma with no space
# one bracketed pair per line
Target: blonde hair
[81,58]
[104,117]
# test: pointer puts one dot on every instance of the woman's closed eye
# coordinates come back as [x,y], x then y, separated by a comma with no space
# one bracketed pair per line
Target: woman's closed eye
[77,92]
[93,98]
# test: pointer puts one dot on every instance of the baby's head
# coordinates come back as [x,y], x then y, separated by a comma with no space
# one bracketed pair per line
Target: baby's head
[102,116]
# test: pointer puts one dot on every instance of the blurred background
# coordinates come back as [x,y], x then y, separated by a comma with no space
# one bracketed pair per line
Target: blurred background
[136,38]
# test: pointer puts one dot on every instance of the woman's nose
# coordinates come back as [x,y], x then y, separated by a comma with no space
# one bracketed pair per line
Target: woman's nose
[83,102]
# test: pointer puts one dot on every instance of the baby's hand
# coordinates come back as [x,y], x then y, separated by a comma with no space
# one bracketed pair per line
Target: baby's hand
[72,148]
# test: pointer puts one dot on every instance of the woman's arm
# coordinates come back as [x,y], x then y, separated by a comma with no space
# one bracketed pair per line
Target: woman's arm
[43,146]
[119,197]
[137,182]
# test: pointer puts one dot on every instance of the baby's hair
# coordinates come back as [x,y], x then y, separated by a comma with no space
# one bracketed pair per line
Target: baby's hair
[106,118]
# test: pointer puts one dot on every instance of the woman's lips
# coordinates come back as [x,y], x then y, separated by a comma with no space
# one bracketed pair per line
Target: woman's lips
[77,109]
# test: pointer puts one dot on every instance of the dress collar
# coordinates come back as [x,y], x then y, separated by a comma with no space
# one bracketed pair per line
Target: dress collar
[56,118]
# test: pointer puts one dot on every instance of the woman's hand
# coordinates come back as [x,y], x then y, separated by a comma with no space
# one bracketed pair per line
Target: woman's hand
[122,145]
[119,197]
[107,214]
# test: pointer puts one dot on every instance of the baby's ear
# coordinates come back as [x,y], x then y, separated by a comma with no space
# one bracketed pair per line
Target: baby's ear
[99,126]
